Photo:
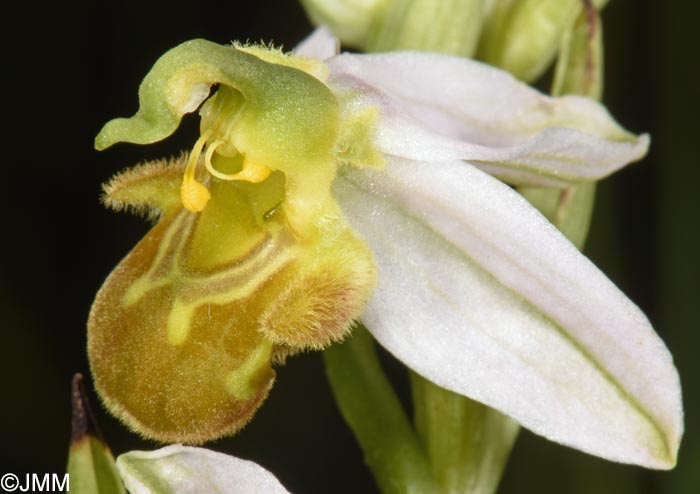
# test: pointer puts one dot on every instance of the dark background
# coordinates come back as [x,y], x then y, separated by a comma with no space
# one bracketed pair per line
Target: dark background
[67,70]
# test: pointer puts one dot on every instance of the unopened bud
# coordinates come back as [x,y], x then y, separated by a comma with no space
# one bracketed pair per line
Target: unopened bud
[350,20]
[448,26]
[523,37]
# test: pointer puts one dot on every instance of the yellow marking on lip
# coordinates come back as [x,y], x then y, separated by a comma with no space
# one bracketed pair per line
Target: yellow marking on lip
[179,321]
[239,382]
[149,281]
[180,316]
[192,289]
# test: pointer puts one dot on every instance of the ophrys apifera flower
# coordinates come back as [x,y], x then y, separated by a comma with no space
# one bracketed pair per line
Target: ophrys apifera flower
[327,189]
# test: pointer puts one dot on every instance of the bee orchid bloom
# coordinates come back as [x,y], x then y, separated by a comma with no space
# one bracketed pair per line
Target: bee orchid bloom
[326,188]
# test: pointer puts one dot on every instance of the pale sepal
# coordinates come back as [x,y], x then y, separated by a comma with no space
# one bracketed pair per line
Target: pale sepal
[180,469]
[483,115]
[480,294]
[320,44]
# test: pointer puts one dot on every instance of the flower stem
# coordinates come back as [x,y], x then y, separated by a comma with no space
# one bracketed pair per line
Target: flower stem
[468,443]
[374,413]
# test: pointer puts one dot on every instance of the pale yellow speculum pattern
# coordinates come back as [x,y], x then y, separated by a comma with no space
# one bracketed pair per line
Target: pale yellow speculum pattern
[179,321]
[150,281]
[222,287]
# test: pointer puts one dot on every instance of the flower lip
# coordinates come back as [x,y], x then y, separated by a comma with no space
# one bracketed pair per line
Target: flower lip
[206,303]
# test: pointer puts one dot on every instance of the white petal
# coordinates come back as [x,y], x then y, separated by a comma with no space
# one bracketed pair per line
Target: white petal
[480,294]
[186,470]
[438,108]
[321,44]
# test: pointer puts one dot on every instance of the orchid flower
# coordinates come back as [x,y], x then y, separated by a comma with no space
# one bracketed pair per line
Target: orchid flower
[326,188]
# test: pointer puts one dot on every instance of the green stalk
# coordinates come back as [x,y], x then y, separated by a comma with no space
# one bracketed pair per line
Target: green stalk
[468,443]
[370,407]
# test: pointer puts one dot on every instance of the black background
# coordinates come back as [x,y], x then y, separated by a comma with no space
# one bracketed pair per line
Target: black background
[69,69]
